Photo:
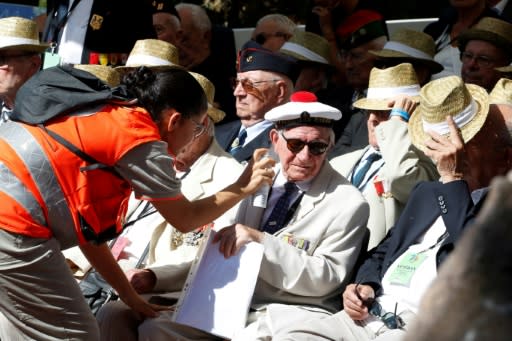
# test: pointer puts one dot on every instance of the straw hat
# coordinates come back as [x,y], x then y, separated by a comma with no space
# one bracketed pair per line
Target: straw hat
[504,69]
[307,47]
[411,45]
[107,74]
[386,83]
[468,104]
[495,31]
[153,53]
[502,92]
[209,89]
[21,34]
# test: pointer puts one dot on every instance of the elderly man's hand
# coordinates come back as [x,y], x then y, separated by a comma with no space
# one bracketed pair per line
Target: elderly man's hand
[402,103]
[232,238]
[356,298]
[447,152]
[142,280]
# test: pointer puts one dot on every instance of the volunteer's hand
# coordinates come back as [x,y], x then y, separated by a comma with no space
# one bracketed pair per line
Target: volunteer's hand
[256,173]
[141,306]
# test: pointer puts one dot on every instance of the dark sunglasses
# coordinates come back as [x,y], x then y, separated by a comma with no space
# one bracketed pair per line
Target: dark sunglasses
[296,145]
[390,320]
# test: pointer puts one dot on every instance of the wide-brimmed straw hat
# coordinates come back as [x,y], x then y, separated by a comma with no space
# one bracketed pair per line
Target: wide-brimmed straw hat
[502,92]
[495,31]
[411,46]
[467,104]
[106,73]
[21,34]
[384,84]
[152,53]
[215,114]
[307,47]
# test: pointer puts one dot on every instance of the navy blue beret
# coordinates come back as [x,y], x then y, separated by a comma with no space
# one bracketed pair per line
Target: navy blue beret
[253,56]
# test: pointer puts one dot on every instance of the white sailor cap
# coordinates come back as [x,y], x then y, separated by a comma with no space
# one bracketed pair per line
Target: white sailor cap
[303,109]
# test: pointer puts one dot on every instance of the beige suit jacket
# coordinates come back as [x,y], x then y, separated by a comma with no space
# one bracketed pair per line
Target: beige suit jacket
[212,172]
[329,224]
[404,166]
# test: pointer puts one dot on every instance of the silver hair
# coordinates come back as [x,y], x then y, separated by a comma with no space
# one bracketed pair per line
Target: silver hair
[284,23]
[198,14]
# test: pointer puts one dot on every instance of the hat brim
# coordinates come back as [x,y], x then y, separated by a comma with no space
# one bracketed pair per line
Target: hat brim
[377,104]
[479,94]
[507,68]
[125,69]
[27,48]
[434,66]
[215,114]
[493,38]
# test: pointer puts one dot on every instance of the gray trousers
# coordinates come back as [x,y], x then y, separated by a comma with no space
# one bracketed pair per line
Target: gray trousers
[39,298]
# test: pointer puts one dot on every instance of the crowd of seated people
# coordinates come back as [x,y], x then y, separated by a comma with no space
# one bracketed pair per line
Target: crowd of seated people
[383,152]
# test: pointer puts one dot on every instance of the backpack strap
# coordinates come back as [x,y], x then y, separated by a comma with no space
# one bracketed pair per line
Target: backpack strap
[93,163]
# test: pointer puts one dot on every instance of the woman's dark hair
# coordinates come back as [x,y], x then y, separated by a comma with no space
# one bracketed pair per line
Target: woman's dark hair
[166,89]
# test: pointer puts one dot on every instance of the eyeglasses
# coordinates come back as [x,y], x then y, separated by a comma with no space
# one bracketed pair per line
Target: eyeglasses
[199,128]
[390,320]
[4,59]
[296,145]
[249,85]
[482,61]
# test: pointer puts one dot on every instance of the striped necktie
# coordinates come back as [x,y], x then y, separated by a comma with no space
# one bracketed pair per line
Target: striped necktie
[238,142]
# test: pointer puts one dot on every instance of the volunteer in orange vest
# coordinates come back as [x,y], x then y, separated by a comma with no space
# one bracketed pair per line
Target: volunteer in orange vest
[67,183]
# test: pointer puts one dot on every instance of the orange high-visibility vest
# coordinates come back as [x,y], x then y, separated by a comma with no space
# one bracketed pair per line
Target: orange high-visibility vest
[43,190]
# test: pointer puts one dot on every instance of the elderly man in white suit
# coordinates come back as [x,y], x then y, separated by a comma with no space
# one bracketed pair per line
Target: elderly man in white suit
[310,251]
[387,169]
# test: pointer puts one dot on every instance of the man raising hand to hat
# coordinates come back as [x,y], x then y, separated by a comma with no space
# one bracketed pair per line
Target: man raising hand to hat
[20,58]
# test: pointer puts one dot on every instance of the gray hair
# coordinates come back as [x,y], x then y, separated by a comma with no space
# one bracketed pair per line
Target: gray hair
[283,22]
[198,14]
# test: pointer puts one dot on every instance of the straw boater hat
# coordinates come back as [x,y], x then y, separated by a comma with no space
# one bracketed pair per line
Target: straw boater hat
[468,104]
[107,74]
[153,53]
[307,47]
[303,110]
[502,92]
[495,31]
[411,46]
[20,34]
[209,89]
[384,84]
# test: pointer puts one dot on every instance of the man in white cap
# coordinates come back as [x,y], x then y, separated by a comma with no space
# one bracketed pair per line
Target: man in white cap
[20,58]
[388,168]
[470,145]
[310,245]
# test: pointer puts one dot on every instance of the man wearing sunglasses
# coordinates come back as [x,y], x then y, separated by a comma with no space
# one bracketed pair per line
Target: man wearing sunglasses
[20,58]
[312,228]
[264,80]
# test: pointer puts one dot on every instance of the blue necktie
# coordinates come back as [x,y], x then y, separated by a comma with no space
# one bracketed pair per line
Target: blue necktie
[360,173]
[238,142]
[278,216]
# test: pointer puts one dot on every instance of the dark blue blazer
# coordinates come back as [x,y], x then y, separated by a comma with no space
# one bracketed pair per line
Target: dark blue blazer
[427,202]
[226,133]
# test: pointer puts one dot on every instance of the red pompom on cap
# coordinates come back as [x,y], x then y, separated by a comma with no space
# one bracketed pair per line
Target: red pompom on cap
[303,97]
